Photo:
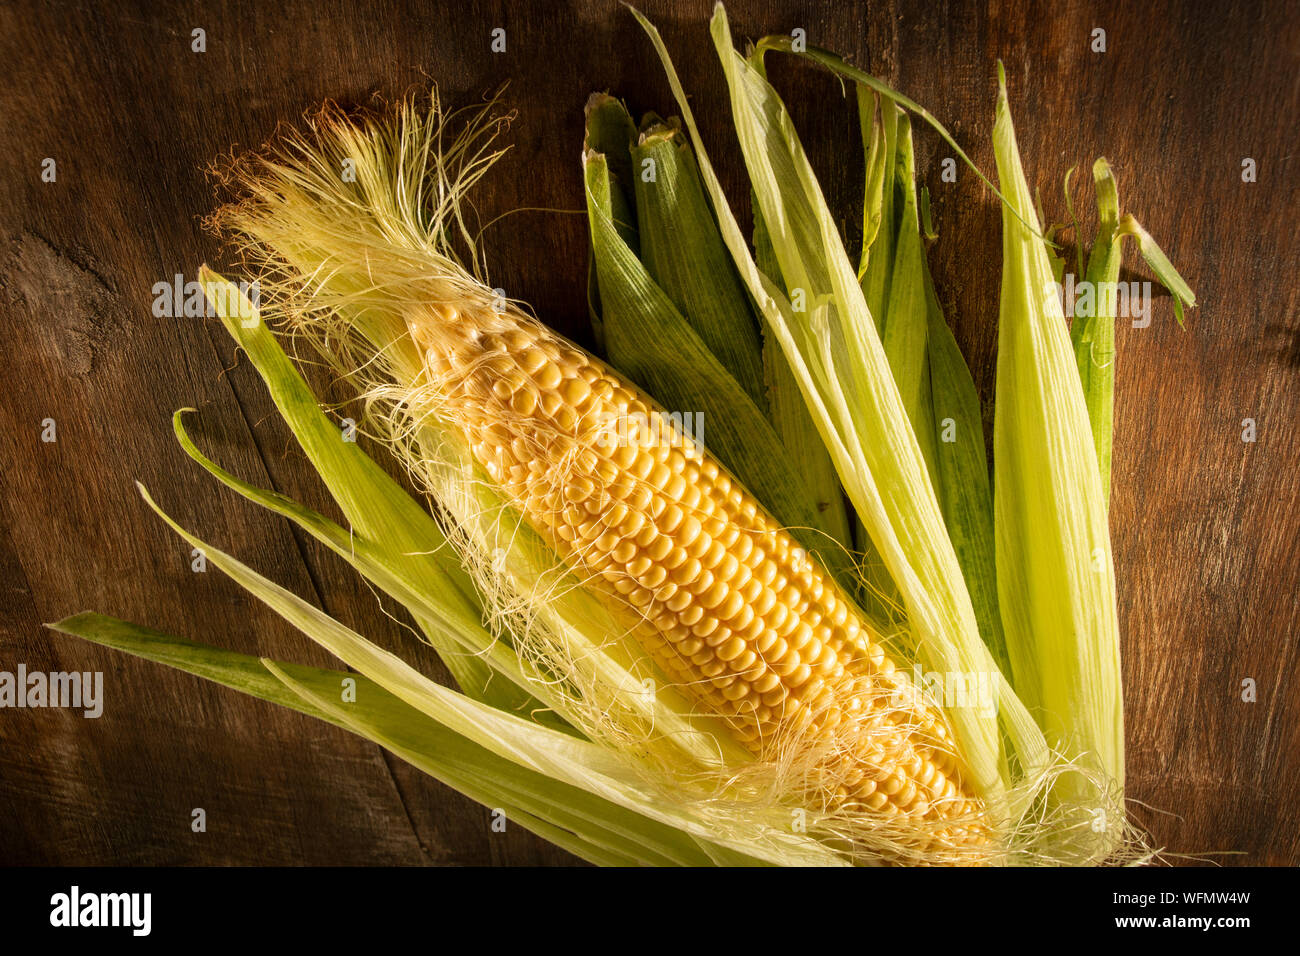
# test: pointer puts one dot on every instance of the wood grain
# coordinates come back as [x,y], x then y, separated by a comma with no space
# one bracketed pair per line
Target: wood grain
[1205,526]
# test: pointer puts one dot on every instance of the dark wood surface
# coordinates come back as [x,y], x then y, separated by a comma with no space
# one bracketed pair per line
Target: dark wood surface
[1205,525]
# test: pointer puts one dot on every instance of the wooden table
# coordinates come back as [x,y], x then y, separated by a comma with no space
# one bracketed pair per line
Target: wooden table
[1205,525]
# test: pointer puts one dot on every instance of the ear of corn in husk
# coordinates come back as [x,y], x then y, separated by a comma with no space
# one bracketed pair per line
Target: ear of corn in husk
[682,681]
[727,611]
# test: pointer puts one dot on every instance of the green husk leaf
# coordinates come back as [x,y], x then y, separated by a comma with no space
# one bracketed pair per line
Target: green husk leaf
[880,143]
[793,423]
[1092,332]
[461,632]
[589,827]
[554,754]
[906,319]
[1107,191]
[1160,265]
[876,150]
[610,132]
[1093,335]
[803,444]
[683,252]
[1056,579]
[592,828]
[962,466]
[377,507]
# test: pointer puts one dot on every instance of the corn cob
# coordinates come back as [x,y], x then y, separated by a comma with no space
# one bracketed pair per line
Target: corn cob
[722,599]
[731,608]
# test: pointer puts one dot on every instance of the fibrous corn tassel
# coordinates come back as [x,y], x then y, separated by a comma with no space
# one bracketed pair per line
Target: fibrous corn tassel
[730,607]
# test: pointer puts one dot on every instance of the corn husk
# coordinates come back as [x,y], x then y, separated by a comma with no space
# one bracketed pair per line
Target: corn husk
[939,394]
[682,250]
[1093,334]
[532,800]
[803,443]
[1056,576]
